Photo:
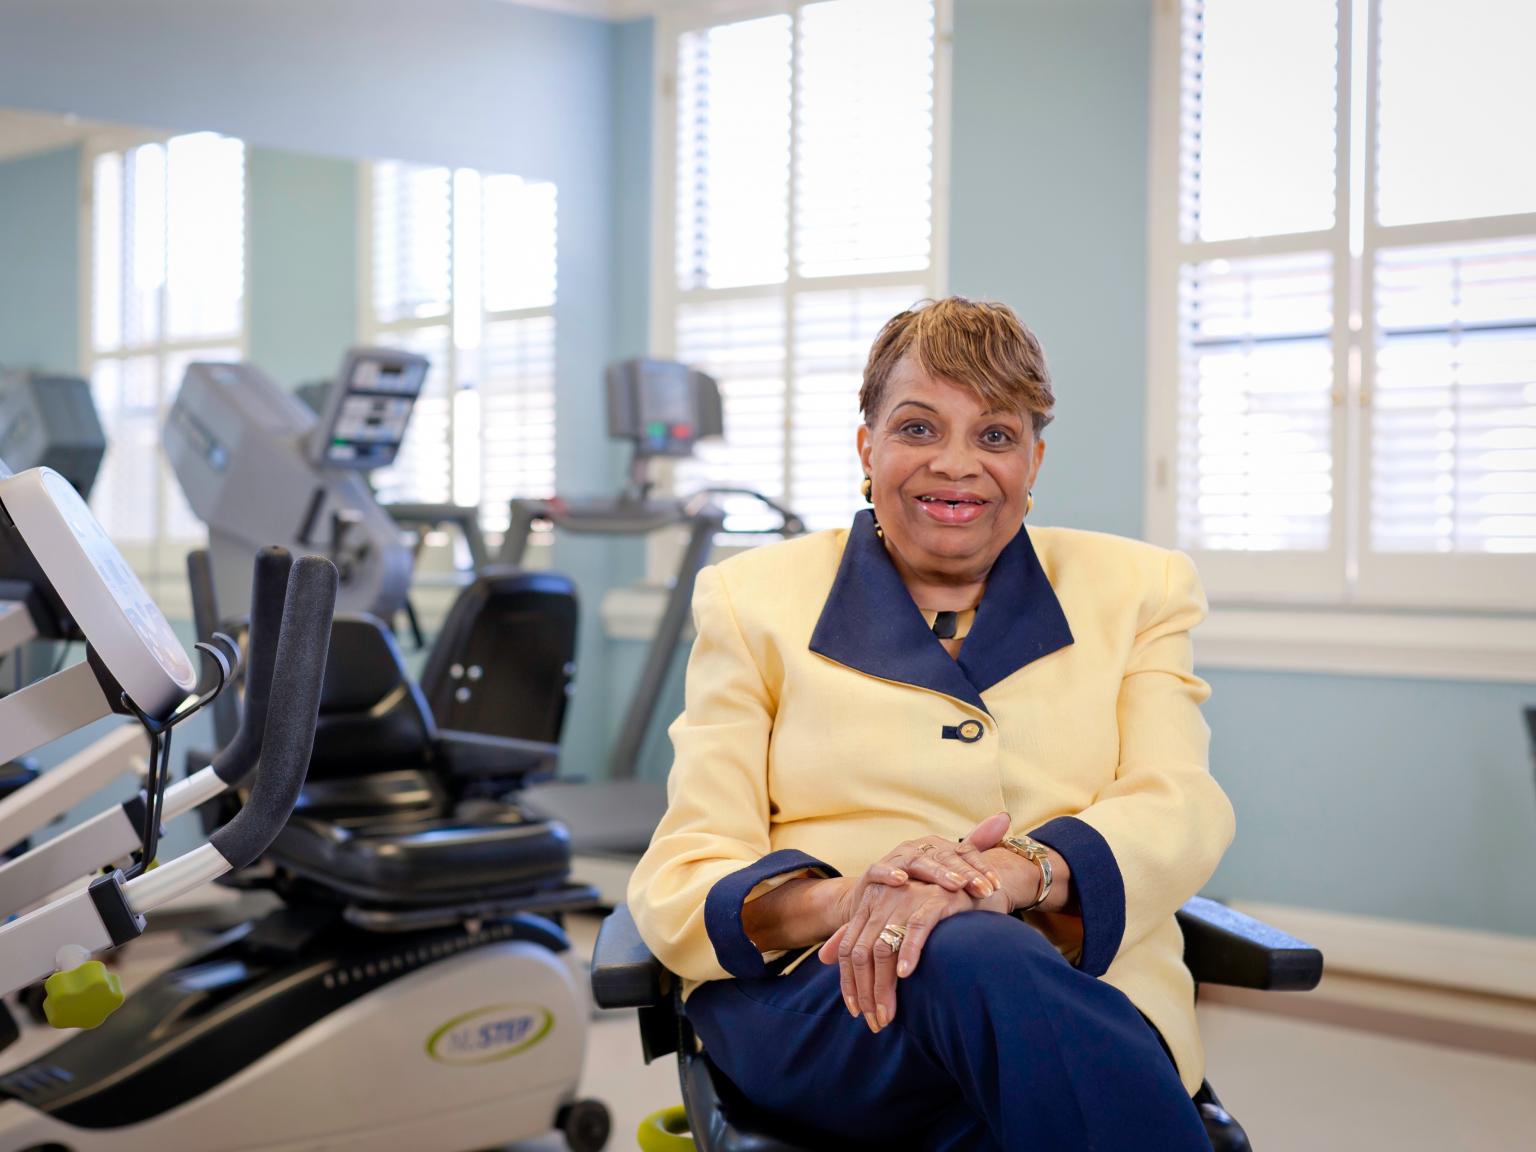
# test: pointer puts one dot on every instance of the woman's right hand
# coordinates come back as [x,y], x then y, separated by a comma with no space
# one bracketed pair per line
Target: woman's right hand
[955,867]
[869,966]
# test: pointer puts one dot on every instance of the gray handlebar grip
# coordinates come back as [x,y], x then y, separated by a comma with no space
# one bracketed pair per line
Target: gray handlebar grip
[269,592]
[297,677]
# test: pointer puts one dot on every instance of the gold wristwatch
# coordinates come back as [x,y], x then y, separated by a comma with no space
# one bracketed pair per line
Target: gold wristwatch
[1038,854]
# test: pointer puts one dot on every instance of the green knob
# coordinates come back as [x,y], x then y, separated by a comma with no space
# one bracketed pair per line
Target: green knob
[82,997]
[666,1131]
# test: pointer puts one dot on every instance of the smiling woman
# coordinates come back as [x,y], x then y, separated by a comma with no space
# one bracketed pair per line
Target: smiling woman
[963,763]
[951,444]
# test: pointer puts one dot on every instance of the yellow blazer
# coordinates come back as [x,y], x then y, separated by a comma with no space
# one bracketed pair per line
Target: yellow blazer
[824,723]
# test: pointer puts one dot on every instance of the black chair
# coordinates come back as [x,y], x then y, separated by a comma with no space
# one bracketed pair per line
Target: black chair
[1221,946]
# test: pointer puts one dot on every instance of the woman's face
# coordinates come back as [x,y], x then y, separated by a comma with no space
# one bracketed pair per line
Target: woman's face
[951,479]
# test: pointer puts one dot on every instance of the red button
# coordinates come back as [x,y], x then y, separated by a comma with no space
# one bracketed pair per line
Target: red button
[682,431]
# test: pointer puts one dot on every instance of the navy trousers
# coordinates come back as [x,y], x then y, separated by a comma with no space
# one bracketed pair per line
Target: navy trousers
[998,1043]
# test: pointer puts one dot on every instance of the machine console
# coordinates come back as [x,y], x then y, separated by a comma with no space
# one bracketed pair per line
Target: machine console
[101,592]
[663,406]
[50,421]
[368,409]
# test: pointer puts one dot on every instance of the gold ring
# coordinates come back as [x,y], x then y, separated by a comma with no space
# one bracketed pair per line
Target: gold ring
[893,935]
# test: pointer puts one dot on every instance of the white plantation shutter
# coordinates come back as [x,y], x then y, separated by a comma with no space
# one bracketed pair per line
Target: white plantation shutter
[833,332]
[1256,410]
[462,271]
[1251,477]
[733,98]
[517,414]
[167,261]
[803,217]
[1456,92]
[412,236]
[864,137]
[1453,429]
[1356,331]
[1254,164]
[741,344]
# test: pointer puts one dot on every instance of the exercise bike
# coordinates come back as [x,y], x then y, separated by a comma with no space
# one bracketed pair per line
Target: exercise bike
[400,999]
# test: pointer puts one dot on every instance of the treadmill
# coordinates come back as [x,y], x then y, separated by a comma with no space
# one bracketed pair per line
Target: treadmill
[662,408]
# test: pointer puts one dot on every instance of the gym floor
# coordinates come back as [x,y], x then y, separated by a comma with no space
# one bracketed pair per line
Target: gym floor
[1314,1072]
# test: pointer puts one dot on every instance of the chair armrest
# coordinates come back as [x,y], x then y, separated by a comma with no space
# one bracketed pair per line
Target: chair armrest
[1223,946]
[475,754]
[624,973]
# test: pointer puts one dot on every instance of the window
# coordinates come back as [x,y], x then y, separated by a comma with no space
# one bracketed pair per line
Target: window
[167,287]
[1343,301]
[803,214]
[461,269]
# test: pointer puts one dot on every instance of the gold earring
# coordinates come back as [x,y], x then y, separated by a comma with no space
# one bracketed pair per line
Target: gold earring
[868,488]
[1029,505]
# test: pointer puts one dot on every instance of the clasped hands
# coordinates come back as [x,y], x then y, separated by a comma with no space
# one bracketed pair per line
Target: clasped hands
[888,913]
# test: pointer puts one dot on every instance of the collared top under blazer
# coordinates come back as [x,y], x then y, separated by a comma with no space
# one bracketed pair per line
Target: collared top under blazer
[824,724]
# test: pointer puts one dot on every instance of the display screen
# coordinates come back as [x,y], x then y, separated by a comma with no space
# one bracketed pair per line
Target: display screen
[376,376]
[141,612]
[373,412]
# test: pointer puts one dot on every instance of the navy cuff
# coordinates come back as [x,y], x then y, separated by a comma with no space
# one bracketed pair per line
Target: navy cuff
[722,910]
[1099,887]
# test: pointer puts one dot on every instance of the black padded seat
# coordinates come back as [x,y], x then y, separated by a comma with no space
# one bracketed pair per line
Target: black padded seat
[372,716]
[503,661]
[443,860]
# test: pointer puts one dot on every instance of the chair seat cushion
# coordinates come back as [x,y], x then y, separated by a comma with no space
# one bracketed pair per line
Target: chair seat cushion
[489,853]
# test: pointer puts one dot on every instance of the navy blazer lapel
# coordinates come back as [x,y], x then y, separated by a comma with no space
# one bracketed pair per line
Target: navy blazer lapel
[1018,621]
[870,623]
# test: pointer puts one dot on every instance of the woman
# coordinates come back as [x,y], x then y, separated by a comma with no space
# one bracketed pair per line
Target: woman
[856,701]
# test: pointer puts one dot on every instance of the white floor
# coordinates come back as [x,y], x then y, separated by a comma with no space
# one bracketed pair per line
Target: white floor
[1295,1084]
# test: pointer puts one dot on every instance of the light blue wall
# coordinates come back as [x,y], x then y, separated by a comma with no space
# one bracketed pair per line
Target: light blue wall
[39,260]
[1048,212]
[630,193]
[302,250]
[1402,798]
[1410,799]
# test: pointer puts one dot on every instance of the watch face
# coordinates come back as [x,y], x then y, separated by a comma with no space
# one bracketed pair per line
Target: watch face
[1025,847]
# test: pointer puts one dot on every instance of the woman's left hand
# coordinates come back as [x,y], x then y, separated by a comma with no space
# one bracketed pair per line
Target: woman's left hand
[868,966]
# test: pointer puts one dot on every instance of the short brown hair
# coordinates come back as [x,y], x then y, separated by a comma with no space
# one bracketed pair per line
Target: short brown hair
[979,344]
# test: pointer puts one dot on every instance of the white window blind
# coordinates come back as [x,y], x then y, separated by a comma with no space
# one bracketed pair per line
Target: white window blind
[803,210]
[1256,409]
[1354,416]
[167,264]
[462,271]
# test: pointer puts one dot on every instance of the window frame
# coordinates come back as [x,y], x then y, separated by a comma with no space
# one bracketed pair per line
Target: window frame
[666,296]
[160,563]
[1325,611]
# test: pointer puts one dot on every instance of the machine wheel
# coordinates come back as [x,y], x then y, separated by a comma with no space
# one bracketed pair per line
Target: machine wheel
[586,1125]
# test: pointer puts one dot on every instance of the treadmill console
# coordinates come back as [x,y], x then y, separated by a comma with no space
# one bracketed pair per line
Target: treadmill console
[368,409]
[663,406]
[50,421]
